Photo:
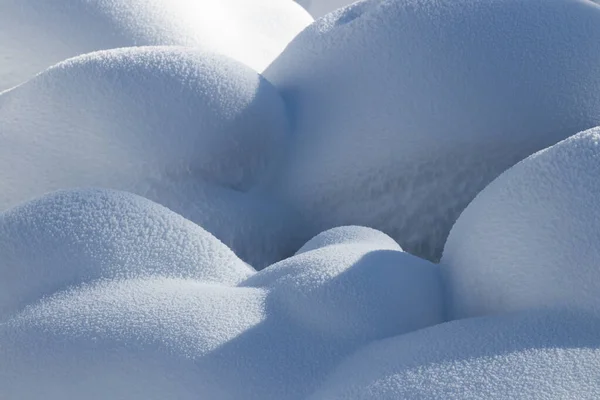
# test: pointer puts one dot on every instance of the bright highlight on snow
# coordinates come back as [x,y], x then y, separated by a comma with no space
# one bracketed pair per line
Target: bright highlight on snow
[225,199]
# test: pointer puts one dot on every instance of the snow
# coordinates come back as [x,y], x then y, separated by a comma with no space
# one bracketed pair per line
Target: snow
[318,8]
[190,129]
[358,235]
[39,33]
[73,237]
[105,293]
[358,289]
[528,355]
[404,110]
[530,239]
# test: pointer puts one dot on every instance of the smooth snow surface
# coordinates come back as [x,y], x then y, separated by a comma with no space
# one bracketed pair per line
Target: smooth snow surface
[318,8]
[39,33]
[187,128]
[531,238]
[528,356]
[75,237]
[404,110]
[351,235]
[108,295]
[358,289]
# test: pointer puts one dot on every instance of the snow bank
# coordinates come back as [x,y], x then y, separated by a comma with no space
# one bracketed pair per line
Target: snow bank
[357,290]
[187,128]
[133,339]
[405,110]
[38,33]
[106,294]
[531,238]
[318,8]
[532,355]
[74,237]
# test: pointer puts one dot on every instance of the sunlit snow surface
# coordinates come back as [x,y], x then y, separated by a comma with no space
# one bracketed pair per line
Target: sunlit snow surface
[175,225]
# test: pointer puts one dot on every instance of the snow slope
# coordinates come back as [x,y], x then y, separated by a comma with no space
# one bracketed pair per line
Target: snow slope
[108,295]
[75,237]
[187,128]
[404,110]
[529,356]
[531,238]
[39,33]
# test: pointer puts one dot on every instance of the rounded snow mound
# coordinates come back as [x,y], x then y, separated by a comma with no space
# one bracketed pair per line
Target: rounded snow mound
[184,127]
[357,235]
[38,33]
[531,238]
[533,355]
[131,339]
[405,110]
[355,290]
[73,237]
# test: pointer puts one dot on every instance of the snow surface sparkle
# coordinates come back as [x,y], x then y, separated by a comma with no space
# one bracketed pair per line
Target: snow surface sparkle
[225,199]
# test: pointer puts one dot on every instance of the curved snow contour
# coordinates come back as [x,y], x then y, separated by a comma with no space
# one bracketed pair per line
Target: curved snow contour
[74,237]
[354,290]
[533,355]
[404,110]
[318,8]
[187,128]
[532,237]
[39,33]
[135,339]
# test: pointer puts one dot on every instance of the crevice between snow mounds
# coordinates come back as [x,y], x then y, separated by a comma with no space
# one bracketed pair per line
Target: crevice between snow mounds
[403,115]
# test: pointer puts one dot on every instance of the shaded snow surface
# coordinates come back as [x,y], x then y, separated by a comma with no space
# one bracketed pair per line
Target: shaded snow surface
[39,33]
[318,8]
[404,110]
[190,129]
[530,239]
[533,355]
[108,295]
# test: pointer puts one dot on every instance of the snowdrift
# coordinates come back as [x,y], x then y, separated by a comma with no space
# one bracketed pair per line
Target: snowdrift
[530,239]
[38,33]
[107,294]
[531,355]
[405,110]
[318,8]
[190,129]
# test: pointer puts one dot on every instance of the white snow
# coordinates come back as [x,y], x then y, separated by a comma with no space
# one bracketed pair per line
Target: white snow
[531,238]
[73,237]
[404,110]
[318,8]
[39,33]
[358,235]
[184,127]
[526,356]
[106,294]
[356,290]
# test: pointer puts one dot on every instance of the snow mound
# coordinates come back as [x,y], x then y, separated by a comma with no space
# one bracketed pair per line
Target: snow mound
[135,339]
[38,33]
[318,8]
[357,290]
[183,127]
[107,294]
[404,110]
[72,237]
[358,235]
[531,238]
[533,355]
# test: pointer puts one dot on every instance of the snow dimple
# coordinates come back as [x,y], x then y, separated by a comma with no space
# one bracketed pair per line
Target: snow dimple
[530,238]
[402,116]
